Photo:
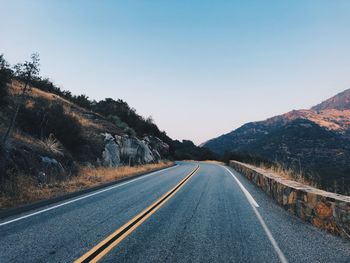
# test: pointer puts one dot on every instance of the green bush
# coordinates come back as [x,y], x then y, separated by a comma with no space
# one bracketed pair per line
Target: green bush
[44,118]
[117,122]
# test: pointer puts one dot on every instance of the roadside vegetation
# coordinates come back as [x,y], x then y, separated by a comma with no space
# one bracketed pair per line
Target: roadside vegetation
[25,189]
[288,173]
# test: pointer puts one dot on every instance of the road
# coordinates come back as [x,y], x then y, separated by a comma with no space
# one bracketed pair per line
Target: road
[212,214]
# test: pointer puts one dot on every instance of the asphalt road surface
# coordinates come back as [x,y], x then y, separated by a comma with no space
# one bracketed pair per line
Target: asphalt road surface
[194,212]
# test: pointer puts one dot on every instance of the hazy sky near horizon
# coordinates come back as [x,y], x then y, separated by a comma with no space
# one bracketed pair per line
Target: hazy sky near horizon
[199,68]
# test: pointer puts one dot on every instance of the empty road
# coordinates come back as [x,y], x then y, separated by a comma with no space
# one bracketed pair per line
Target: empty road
[194,212]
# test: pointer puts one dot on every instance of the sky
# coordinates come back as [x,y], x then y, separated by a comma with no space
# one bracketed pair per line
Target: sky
[199,68]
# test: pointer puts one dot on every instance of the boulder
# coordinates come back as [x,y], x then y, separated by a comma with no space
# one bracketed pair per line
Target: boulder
[50,168]
[134,151]
[130,150]
[111,152]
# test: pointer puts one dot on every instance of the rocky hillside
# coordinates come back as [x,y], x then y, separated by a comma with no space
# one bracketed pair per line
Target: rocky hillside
[54,136]
[55,133]
[315,141]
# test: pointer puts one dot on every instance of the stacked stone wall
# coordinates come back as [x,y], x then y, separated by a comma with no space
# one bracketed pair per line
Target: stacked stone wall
[325,210]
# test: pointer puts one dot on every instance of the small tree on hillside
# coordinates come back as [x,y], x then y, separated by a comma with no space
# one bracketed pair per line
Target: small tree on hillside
[5,77]
[25,72]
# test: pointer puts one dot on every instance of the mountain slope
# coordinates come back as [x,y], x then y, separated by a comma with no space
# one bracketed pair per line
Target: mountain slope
[316,141]
[341,101]
[53,142]
[54,136]
[57,133]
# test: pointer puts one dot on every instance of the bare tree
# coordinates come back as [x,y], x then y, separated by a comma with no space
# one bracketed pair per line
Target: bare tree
[25,72]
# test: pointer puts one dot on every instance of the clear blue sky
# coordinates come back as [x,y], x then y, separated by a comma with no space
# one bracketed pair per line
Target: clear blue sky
[199,68]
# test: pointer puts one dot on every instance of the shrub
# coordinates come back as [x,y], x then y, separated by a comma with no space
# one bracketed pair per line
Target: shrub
[117,122]
[120,109]
[51,144]
[45,118]
[3,89]
[5,77]
[82,101]
[130,131]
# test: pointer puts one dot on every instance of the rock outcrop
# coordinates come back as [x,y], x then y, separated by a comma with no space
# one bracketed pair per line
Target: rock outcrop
[130,150]
[111,153]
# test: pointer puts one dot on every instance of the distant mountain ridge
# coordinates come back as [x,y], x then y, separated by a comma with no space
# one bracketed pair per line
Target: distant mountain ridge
[316,140]
[341,101]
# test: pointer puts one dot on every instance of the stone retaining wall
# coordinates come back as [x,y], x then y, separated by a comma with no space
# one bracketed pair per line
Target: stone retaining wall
[326,210]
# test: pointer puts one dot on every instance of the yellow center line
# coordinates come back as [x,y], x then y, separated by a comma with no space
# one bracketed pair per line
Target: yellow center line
[106,245]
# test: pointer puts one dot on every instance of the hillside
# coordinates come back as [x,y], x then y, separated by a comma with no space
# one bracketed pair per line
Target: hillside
[315,142]
[340,101]
[54,136]
[56,133]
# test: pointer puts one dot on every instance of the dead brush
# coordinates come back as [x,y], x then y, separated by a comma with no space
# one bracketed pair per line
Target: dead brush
[288,173]
[52,144]
[25,189]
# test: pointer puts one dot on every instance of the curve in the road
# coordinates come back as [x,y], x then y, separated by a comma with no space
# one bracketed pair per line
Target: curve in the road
[100,250]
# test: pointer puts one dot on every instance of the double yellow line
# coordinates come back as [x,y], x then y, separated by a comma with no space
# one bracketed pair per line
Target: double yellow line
[101,249]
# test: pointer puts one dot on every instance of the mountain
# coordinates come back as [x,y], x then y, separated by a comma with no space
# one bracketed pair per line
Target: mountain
[187,150]
[340,101]
[316,141]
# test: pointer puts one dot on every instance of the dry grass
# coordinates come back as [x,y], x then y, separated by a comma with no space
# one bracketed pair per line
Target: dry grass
[51,144]
[24,138]
[213,162]
[84,122]
[287,173]
[16,89]
[331,119]
[27,191]
[93,176]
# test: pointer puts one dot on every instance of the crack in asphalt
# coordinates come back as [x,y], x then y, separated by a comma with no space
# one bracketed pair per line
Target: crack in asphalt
[178,240]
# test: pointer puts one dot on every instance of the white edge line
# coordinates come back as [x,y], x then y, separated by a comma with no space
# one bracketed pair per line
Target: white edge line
[278,251]
[85,196]
[254,205]
[244,190]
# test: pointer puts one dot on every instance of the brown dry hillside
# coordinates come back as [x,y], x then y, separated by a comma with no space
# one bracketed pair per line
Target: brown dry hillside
[332,119]
[53,137]
[91,124]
